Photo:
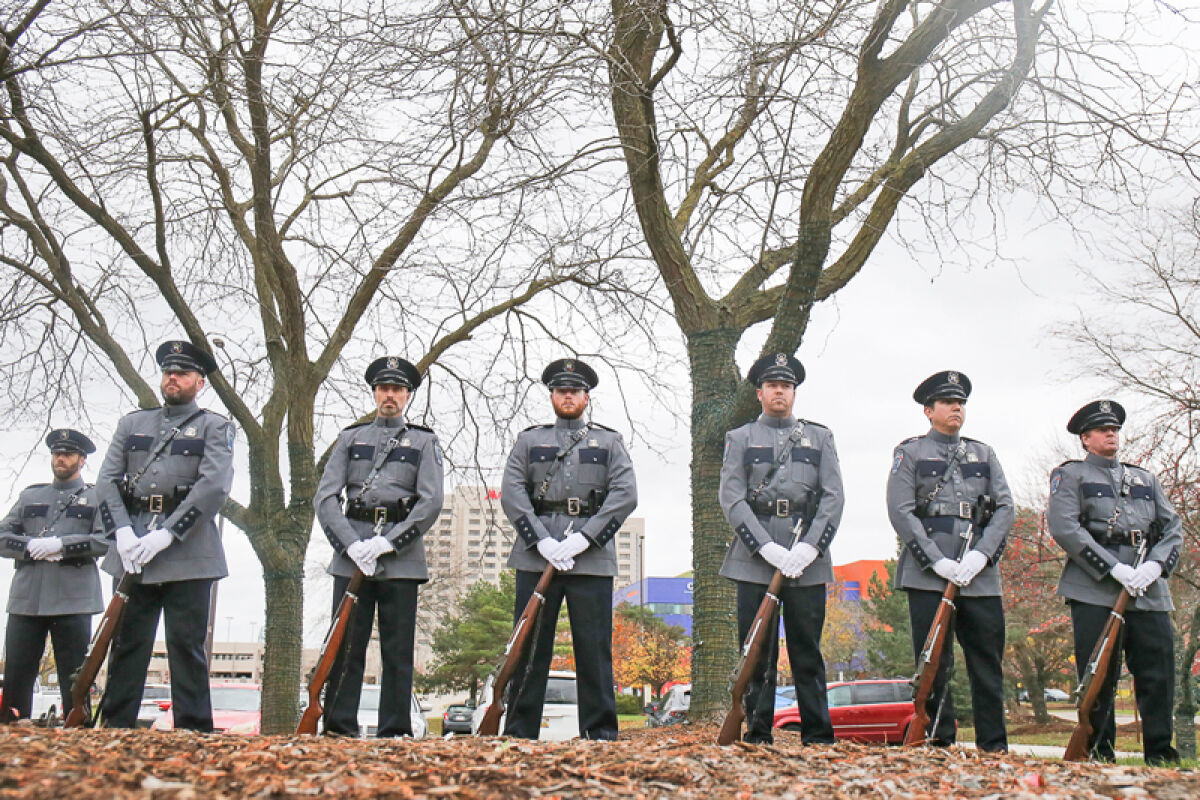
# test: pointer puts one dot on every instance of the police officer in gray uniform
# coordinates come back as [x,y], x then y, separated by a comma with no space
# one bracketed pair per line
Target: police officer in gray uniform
[934,484]
[167,472]
[391,473]
[53,534]
[1100,512]
[778,471]
[572,474]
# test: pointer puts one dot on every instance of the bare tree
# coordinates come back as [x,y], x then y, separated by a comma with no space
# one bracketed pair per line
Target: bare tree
[1147,346]
[771,146]
[289,183]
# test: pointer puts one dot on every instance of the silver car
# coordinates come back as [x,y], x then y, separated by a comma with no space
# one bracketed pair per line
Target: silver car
[368,713]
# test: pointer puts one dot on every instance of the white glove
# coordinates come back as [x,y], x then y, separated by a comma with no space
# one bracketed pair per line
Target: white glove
[804,554]
[946,568]
[150,545]
[1124,575]
[970,566]
[1143,576]
[127,540]
[360,553]
[552,550]
[776,555]
[379,545]
[575,544]
[45,548]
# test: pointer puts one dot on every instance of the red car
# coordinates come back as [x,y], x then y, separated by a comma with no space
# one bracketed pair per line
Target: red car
[236,709]
[863,711]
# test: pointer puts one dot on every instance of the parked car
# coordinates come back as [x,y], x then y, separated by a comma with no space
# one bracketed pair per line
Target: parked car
[863,711]
[237,708]
[368,713]
[1051,694]
[785,696]
[673,708]
[156,700]
[457,719]
[560,713]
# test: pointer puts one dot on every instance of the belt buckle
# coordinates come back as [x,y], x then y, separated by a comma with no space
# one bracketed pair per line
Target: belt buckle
[1135,537]
[964,509]
[783,507]
[574,506]
[155,504]
[381,514]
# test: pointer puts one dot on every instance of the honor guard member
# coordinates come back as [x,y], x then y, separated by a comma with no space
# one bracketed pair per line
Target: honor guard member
[779,471]
[932,490]
[1100,512]
[391,473]
[167,472]
[53,534]
[567,489]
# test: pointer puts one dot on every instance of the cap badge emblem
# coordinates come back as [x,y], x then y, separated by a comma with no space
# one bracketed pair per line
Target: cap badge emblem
[64,435]
[176,347]
[780,360]
[569,366]
[393,363]
[1105,407]
[952,377]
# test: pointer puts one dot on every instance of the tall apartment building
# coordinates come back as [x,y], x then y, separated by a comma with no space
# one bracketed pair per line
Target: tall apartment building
[471,542]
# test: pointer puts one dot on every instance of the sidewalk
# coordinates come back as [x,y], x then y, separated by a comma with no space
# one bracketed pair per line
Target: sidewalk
[1043,750]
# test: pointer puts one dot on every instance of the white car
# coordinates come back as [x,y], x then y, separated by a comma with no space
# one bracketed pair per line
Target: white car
[560,713]
[47,703]
[368,713]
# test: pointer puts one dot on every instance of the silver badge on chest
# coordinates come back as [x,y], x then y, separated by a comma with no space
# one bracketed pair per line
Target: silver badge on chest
[190,432]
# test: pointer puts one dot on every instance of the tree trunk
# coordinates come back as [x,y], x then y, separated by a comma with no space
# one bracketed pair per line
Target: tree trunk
[714,615]
[284,639]
[1186,646]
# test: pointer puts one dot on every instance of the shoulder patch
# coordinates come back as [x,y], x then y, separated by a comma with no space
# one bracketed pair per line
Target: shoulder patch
[417,427]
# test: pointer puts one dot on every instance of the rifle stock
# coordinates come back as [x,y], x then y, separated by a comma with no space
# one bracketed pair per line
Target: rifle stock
[329,651]
[97,651]
[764,625]
[517,642]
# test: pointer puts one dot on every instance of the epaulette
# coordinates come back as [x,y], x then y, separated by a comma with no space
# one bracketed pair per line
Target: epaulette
[535,427]
[603,427]
[37,486]
[810,422]
[215,413]
[1069,461]
[1134,466]
[909,440]
[972,441]
[415,426]
[355,425]
[138,410]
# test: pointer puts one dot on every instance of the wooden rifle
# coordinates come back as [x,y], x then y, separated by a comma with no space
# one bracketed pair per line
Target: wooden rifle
[1096,671]
[935,640]
[766,624]
[338,629]
[85,676]
[518,642]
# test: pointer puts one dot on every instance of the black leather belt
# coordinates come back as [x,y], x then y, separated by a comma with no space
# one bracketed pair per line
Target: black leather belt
[156,503]
[1099,531]
[572,506]
[384,513]
[780,507]
[962,510]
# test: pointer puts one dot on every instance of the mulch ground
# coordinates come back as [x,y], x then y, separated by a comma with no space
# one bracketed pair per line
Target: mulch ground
[675,762]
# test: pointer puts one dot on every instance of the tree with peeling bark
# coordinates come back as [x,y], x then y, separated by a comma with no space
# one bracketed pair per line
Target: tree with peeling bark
[770,146]
[295,187]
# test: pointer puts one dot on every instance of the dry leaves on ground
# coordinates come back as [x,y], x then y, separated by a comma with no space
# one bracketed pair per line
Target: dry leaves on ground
[673,762]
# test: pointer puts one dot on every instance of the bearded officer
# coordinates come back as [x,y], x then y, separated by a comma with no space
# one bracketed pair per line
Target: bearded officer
[776,472]
[167,472]
[1100,512]
[934,484]
[573,474]
[391,472]
[53,534]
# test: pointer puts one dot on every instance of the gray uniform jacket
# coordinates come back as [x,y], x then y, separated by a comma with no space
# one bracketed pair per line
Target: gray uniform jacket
[66,509]
[598,466]
[810,474]
[411,472]
[918,464]
[1083,496]
[196,468]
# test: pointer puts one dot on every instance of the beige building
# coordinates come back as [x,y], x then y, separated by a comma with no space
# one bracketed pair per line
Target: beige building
[471,542]
[240,662]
